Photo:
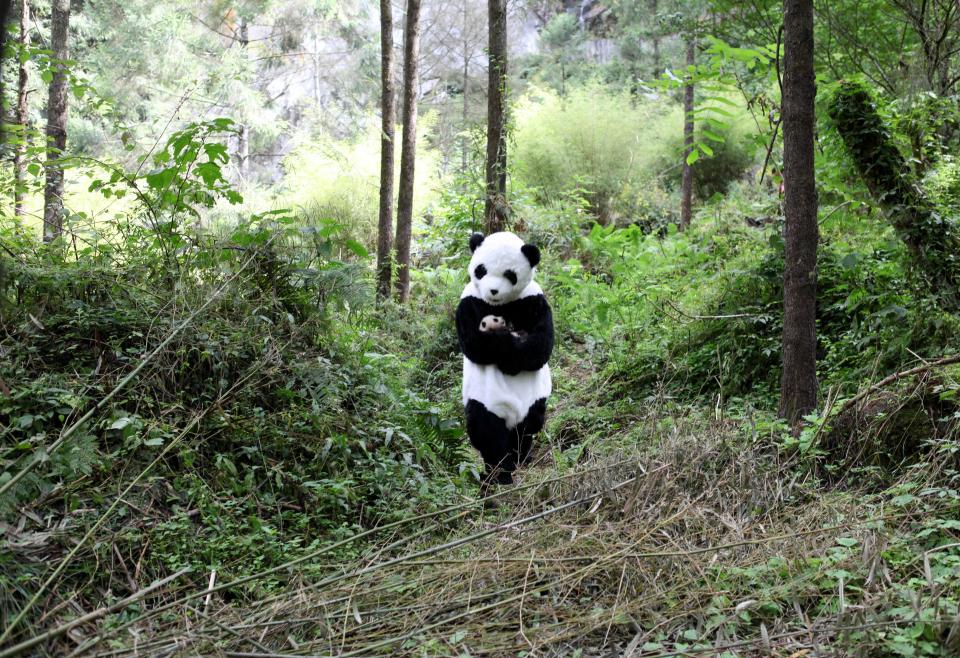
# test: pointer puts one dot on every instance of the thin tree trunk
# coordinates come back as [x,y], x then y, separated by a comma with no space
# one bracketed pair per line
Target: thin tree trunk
[798,385]
[243,137]
[495,211]
[243,151]
[654,9]
[408,147]
[388,118]
[19,156]
[465,117]
[686,187]
[56,123]
[317,69]
[465,139]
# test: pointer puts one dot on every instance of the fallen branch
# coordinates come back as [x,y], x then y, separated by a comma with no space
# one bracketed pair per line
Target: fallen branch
[96,614]
[945,361]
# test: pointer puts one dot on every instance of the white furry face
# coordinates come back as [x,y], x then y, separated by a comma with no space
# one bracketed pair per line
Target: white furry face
[499,269]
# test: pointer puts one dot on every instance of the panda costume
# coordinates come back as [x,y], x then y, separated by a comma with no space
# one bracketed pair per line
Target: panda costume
[506,379]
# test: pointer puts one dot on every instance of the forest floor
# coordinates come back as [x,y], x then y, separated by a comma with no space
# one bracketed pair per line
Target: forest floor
[679,533]
[290,477]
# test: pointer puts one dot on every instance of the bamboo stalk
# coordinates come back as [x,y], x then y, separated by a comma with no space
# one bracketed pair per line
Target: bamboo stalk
[122,384]
[96,614]
[349,540]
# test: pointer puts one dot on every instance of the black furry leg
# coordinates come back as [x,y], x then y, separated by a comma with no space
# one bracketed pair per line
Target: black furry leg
[502,449]
[489,435]
[529,427]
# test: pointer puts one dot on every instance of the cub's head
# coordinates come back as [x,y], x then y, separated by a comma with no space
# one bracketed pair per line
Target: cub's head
[492,323]
[501,266]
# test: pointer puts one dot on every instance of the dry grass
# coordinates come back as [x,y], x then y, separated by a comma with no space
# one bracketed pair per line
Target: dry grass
[638,557]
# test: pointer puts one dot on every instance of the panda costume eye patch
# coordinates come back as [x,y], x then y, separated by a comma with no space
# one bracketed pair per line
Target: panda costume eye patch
[480,272]
[510,276]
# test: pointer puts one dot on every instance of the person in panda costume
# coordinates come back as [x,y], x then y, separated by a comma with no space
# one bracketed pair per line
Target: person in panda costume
[505,329]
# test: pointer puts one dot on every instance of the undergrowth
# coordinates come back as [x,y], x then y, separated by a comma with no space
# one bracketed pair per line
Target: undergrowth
[290,451]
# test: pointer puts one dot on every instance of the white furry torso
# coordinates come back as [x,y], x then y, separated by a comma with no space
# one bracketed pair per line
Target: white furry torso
[507,396]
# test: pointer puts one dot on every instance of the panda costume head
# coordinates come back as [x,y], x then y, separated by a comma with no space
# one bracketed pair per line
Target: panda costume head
[506,379]
[501,267]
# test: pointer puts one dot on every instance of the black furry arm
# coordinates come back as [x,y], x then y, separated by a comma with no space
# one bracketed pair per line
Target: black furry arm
[483,348]
[511,354]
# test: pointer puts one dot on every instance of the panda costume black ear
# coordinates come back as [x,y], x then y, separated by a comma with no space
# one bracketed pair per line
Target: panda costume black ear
[475,241]
[532,254]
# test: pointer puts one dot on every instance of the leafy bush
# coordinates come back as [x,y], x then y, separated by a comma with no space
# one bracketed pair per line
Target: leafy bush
[339,180]
[943,185]
[622,154]
[593,140]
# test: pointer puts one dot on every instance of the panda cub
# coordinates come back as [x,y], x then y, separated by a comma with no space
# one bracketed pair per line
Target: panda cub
[497,323]
[505,329]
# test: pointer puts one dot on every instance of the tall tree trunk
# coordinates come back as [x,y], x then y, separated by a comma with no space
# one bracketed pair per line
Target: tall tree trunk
[19,156]
[243,151]
[465,117]
[495,211]
[317,76]
[686,186]
[654,10]
[408,147]
[798,384]
[56,123]
[243,137]
[465,139]
[388,119]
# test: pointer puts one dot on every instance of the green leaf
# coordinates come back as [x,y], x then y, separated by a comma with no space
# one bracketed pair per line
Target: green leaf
[719,110]
[358,249]
[159,180]
[209,172]
[903,500]
[693,156]
[216,152]
[725,101]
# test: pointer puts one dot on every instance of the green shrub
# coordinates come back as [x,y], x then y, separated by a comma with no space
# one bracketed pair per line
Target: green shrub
[943,185]
[593,140]
[340,180]
[624,155]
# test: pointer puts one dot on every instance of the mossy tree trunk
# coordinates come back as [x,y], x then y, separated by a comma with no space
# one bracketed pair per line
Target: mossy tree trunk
[388,118]
[654,10]
[932,240]
[686,185]
[56,122]
[20,152]
[798,383]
